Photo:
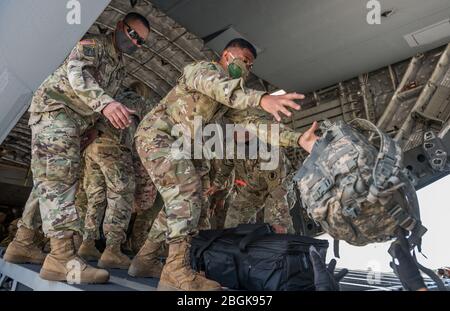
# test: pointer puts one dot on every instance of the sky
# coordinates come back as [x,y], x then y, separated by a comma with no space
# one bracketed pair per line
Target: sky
[434,203]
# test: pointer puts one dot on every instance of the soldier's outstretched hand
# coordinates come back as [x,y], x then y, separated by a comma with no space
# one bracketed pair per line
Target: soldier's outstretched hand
[118,115]
[276,104]
[309,138]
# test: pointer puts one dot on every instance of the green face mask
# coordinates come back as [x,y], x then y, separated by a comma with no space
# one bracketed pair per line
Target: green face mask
[238,69]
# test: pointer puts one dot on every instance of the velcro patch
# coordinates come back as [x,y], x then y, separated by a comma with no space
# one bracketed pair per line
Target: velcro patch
[87,42]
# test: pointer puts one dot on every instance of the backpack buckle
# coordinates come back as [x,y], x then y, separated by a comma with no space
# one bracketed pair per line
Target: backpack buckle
[403,219]
[351,210]
[324,186]
[384,170]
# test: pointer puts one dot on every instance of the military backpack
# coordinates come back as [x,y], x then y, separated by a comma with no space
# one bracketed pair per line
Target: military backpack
[359,191]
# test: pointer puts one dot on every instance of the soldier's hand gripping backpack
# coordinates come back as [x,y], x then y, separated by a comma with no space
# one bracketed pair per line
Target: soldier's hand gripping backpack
[357,192]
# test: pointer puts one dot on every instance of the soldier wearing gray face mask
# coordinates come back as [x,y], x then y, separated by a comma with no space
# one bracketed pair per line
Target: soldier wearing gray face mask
[64,107]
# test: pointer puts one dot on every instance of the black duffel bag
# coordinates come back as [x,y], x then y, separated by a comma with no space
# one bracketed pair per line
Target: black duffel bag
[253,257]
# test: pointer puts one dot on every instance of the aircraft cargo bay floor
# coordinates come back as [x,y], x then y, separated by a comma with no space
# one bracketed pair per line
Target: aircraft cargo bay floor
[26,277]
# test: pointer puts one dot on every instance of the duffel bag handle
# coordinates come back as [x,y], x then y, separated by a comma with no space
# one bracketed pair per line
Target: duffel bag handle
[244,229]
[218,235]
[260,232]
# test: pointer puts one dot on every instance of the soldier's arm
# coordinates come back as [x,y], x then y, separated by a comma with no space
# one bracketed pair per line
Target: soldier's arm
[252,121]
[207,79]
[84,59]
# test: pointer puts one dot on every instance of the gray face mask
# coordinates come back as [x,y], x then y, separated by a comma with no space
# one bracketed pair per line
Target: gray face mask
[124,44]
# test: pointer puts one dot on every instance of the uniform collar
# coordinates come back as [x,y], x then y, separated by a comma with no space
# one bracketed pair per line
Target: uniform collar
[219,67]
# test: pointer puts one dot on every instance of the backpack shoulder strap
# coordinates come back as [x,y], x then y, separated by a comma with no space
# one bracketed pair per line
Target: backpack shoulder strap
[388,162]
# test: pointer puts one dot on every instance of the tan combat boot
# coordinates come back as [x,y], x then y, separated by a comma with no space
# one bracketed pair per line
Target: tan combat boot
[88,251]
[23,249]
[146,264]
[113,258]
[178,275]
[62,260]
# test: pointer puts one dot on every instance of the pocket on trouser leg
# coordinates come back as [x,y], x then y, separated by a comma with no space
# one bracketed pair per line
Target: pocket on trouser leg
[58,168]
[56,155]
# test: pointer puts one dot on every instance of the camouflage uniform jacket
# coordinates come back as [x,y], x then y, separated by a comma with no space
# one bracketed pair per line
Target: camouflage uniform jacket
[86,82]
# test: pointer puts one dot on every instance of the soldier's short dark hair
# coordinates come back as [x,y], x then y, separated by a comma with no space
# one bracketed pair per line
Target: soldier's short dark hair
[242,44]
[133,16]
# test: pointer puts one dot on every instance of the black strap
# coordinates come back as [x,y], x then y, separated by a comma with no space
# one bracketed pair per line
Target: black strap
[336,248]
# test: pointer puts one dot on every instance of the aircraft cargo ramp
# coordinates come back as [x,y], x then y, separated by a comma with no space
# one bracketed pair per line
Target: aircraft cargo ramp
[26,278]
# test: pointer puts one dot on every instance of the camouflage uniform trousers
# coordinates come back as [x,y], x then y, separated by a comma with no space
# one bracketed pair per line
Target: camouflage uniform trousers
[109,185]
[55,165]
[80,197]
[31,217]
[179,181]
[159,230]
[272,206]
[153,219]
[144,207]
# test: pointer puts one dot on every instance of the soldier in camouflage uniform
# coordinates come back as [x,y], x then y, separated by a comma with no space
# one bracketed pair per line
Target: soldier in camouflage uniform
[109,183]
[259,195]
[204,90]
[62,109]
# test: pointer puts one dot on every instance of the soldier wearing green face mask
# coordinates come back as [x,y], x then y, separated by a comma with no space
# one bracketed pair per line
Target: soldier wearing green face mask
[205,90]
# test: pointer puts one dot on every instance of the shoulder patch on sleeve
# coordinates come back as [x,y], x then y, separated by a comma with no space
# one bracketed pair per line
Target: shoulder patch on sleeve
[89,51]
[212,66]
[88,46]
